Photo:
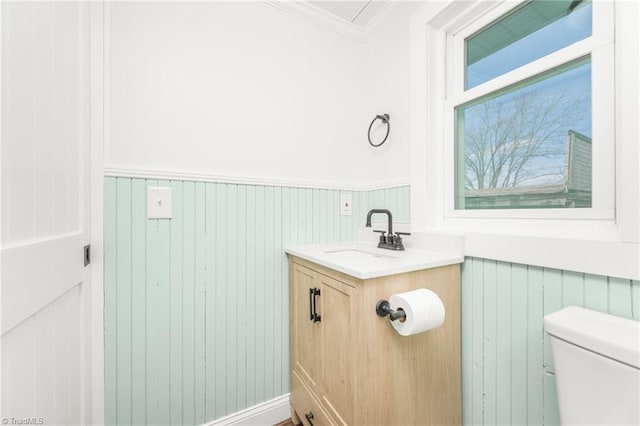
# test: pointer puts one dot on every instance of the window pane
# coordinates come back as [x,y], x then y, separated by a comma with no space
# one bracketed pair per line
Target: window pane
[535,30]
[529,145]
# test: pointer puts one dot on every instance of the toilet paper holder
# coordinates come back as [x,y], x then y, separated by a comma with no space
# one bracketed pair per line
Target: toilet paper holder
[383,308]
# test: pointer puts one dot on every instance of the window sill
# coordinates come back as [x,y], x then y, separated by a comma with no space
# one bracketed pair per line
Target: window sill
[592,256]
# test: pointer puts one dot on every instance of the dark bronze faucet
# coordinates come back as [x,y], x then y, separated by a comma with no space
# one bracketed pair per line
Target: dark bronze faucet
[389,241]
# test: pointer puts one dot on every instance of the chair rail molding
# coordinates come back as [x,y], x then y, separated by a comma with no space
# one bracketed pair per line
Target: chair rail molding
[204,176]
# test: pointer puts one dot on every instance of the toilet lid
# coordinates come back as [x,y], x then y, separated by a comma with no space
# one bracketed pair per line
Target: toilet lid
[611,336]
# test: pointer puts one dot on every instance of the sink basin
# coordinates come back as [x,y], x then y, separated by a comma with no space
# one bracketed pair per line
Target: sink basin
[362,254]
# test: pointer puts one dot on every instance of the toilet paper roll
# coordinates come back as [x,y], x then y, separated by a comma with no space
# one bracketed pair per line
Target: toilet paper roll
[423,308]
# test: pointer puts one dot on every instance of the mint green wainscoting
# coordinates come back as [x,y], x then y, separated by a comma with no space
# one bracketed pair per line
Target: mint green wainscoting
[196,307]
[507,365]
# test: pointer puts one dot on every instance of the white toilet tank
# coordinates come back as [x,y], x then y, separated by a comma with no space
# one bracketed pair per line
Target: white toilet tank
[597,363]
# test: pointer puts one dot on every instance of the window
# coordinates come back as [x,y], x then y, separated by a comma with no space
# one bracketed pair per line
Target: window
[528,146]
[476,59]
[528,33]
[521,106]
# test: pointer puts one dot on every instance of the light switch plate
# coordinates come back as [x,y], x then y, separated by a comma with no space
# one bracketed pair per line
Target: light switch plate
[159,202]
[345,205]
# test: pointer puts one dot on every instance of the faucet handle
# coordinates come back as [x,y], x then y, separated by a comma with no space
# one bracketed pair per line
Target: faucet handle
[397,240]
[382,237]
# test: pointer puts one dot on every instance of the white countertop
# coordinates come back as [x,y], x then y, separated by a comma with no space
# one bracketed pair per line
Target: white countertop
[365,260]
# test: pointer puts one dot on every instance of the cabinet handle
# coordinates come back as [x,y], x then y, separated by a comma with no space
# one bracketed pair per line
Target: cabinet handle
[309,417]
[314,315]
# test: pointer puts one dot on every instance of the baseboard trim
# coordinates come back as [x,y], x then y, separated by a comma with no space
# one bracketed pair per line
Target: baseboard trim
[195,176]
[265,414]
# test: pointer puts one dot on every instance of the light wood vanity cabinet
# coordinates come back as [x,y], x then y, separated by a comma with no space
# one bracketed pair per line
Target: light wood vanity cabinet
[349,366]
[321,325]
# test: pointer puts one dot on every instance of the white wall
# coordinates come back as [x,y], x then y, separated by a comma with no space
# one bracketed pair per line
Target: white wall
[240,89]
[387,90]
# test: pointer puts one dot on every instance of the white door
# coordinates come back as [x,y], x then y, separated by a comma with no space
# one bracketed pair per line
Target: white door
[43,216]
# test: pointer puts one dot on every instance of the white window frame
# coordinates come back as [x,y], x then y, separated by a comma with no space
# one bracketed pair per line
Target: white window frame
[562,238]
[600,47]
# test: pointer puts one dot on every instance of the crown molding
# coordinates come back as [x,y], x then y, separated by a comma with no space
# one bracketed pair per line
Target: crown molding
[312,13]
[318,16]
[386,12]
[201,176]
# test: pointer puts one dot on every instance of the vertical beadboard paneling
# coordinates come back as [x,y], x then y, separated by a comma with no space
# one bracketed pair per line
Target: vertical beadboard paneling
[232,303]
[620,297]
[287,220]
[200,304]
[333,209]
[242,320]
[535,349]
[110,303]
[138,302]
[213,349]
[123,291]
[196,314]
[503,337]
[152,316]
[267,292]
[518,339]
[250,305]
[595,292]
[176,291]
[477,343]
[508,375]
[259,291]
[216,210]
[308,220]
[164,317]
[490,341]
[323,215]
[572,288]
[188,304]
[279,297]
[315,215]
[394,199]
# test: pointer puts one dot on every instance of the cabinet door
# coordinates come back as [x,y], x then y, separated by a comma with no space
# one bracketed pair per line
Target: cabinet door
[305,332]
[337,349]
